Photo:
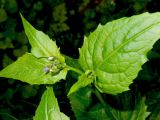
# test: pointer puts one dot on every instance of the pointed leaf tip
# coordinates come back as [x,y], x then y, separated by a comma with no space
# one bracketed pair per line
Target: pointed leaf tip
[42,45]
[48,108]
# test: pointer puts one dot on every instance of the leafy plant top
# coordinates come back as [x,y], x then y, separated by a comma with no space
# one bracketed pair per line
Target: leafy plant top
[110,60]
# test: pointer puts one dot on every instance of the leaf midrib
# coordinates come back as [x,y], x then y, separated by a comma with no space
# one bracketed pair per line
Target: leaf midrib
[126,42]
[38,43]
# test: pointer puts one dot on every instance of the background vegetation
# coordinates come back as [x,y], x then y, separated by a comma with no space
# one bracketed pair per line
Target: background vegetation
[67,21]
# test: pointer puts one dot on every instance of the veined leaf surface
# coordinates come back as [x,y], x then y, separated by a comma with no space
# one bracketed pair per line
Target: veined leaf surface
[117,50]
[42,45]
[48,108]
[30,69]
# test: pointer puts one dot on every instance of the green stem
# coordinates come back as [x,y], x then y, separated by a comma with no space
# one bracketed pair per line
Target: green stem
[75,70]
[9,116]
[105,105]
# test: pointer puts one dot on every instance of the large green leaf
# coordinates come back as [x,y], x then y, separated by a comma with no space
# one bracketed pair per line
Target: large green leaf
[117,50]
[31,70]
[80,101]
[48,108]
[42,45]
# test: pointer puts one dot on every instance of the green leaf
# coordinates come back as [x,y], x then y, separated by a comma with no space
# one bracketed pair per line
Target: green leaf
[97,112]
[139,113]
[155,115]
[3,15]
[42,45]
[31,70]
[11,6]
[6,60]
[84,109]
[80,101]
[117,50]
[28,91]
[153,102]
[83,81]
[48,108]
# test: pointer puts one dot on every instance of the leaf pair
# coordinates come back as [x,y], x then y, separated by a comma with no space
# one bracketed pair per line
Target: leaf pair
[30,67]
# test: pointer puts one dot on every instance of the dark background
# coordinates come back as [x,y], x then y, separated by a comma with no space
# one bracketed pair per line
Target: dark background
[66,22]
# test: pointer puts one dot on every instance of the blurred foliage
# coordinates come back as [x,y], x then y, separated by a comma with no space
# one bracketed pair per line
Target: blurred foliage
[67,22]
[59,19]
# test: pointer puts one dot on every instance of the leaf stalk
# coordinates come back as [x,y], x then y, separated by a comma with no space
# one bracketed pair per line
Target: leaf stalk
[75,70]
[105,105]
